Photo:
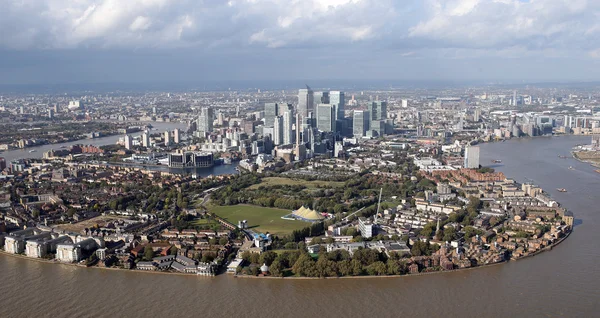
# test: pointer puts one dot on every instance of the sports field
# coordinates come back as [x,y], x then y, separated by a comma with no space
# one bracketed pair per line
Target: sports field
[271,181]
[260,219]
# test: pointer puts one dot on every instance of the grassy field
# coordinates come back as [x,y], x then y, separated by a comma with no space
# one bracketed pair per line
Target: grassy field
[271,181]
[259,218]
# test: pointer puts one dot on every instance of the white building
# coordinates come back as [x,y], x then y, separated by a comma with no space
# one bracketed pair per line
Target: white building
[365,227]
[128,142]
[471,157]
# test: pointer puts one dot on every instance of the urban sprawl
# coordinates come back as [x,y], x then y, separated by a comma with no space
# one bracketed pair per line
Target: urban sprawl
[326,183]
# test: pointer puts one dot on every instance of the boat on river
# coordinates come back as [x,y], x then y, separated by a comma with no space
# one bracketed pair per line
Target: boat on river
[561,190]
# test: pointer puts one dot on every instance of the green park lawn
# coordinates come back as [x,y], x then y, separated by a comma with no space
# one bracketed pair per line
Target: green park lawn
[259,218]
[271,181]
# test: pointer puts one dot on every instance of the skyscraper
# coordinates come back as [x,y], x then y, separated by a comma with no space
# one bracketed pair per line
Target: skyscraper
[271,111]
[205,120]
[471,157]
[378,112]
[278,130]
[338,99]
[326,117]
[360,123]
[305,101]
[321,97]
[288,134]
[514,98]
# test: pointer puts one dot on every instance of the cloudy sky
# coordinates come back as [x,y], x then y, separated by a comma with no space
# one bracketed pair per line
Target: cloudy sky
[136,41]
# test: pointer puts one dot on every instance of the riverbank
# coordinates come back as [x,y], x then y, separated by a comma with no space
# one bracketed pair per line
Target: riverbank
[47,261]
[547,248]
[55,262]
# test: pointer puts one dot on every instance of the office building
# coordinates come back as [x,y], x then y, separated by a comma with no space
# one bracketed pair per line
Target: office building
[378,112]
[471,157]
[321,98]
[326,117]
[278,130]
[404,103]
[205,121]
[288,133]
[338,100]
[50,113]
[360,123]
[305,101]
[190,159]
[271,111]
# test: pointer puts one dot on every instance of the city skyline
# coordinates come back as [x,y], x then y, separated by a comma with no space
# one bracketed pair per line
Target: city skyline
[107,41]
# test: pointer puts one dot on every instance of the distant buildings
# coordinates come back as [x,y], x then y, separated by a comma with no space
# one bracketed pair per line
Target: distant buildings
[378,112]
[191,159]
[271,111]
[326,117]
[288,133]
[360,123]
[305,101]
[337,99]
[205,121]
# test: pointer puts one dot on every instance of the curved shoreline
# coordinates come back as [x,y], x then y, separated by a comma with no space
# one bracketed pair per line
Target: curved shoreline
[547,248]
[46,261]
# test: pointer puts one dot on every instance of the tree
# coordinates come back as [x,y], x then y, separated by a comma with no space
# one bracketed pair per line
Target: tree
[304,266]
[223,241]
[277,267]
[377,268]
[148,253]
[267,258]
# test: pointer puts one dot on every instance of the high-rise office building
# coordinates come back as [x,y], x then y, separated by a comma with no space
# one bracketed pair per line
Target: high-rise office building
[326,117]
[305,101]
[360,122]
[50,113]
[205,121]
[271,111]
[338,99]
[321,98]
[378,112]
[278,130]
[288,134]
[471,157]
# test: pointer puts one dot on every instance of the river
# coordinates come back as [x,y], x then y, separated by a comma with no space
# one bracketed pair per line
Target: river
[109,140]
[560,282]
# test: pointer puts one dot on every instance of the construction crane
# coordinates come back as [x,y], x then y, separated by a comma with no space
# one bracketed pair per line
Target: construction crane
[378,205]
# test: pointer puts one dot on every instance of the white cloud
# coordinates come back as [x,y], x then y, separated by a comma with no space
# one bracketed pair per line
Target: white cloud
[516,26]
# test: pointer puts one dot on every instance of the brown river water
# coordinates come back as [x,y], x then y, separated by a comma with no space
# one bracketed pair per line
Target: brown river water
[562,282]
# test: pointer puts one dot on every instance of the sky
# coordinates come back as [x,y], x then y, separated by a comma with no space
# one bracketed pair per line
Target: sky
[182,41]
